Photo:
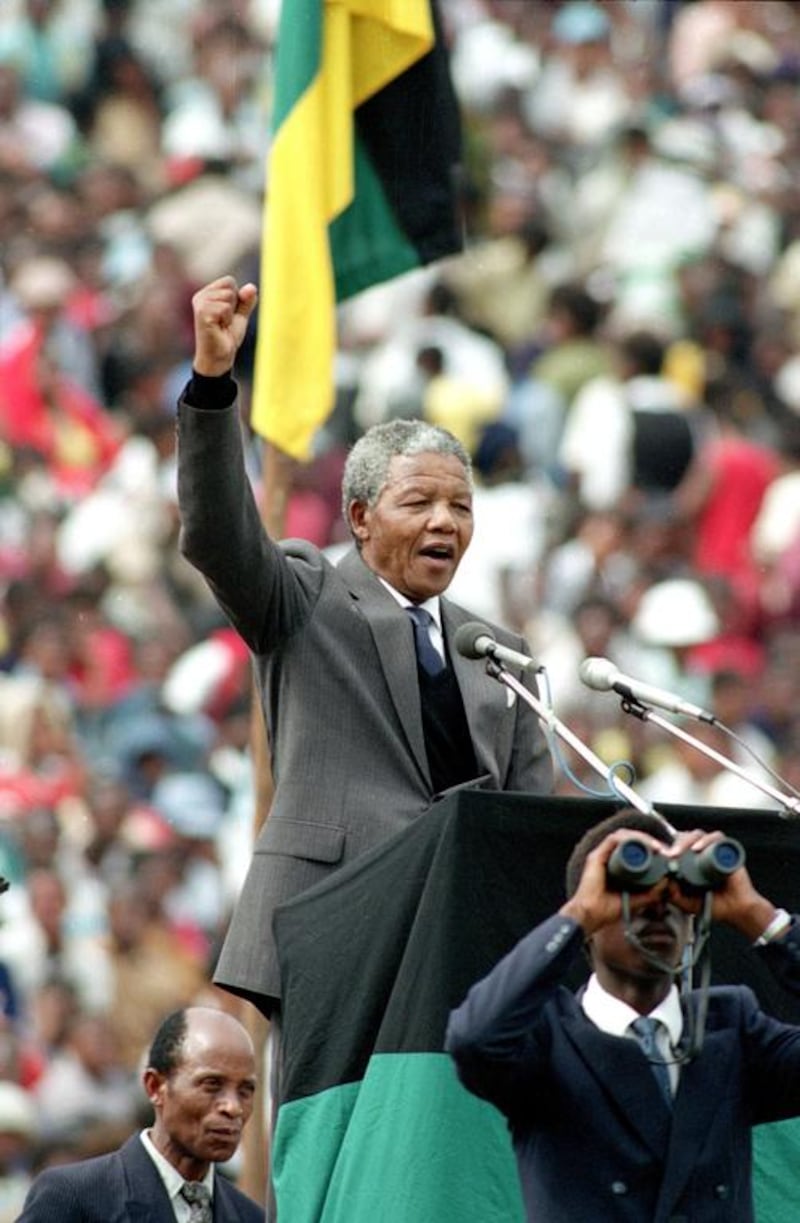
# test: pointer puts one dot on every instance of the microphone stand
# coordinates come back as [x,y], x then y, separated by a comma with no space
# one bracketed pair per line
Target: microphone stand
[550,722]
[696,1018]
[645,714]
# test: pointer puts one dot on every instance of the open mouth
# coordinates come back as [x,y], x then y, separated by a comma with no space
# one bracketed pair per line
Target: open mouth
[439,553]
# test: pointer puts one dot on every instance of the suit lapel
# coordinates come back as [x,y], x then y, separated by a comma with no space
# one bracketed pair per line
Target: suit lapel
[147,1199]
[226,1208]
[149,1212]
[676,1138]
[485,699]
[616,1064]
[394,641]
[702,1082]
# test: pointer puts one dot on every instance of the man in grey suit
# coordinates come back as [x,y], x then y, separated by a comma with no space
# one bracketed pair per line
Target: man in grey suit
[200,1079]
[364,728]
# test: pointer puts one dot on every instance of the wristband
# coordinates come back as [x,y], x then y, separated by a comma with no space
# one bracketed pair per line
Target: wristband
[210,392]
[778,926]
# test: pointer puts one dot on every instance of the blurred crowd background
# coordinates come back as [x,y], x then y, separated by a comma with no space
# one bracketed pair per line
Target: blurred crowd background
[617,346]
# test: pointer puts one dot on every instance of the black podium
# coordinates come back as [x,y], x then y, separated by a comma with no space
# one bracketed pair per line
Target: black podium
[372,1123]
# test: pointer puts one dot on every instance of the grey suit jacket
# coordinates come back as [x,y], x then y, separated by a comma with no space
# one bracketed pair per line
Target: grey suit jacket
[123,1187]
[336,669]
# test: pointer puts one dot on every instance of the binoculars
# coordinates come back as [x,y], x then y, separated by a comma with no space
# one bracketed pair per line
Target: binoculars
[634,867]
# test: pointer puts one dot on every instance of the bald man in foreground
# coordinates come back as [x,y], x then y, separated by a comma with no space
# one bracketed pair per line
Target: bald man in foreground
[200,1079]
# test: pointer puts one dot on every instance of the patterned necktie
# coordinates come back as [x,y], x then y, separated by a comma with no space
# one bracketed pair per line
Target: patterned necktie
[199,1199]
[644,1029]
[428,656]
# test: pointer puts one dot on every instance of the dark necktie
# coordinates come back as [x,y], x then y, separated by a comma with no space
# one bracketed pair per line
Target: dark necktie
[199,1199]
[645,1028]
[428,656]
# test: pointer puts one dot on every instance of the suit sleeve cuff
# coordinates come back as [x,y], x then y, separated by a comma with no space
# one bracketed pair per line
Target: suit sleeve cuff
[210,393]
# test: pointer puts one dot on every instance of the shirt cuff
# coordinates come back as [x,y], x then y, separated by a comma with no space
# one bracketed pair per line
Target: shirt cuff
[205,392]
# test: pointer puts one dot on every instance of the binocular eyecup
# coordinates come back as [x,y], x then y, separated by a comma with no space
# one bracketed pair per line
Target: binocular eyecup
[635,867]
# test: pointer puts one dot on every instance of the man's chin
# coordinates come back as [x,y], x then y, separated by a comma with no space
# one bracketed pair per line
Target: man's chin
[220,1148]
[658,957]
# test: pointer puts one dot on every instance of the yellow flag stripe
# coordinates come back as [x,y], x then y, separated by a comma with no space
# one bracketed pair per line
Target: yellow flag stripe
[366,44]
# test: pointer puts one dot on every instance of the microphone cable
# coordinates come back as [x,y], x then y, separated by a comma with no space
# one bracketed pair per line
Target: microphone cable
[753,754]
[556,752]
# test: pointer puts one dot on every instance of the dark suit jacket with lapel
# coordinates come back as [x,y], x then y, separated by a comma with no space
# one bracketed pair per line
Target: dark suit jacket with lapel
[335,663]
[593,1136]
[123,1187]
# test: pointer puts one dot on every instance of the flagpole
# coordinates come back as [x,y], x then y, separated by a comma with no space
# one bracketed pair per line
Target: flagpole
[277,477]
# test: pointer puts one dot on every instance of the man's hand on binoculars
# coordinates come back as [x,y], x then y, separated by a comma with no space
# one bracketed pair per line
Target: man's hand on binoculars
[734,899]
[594,904]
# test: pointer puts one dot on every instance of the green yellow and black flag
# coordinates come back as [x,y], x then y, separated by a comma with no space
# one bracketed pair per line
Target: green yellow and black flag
[361,187]
[372,1123]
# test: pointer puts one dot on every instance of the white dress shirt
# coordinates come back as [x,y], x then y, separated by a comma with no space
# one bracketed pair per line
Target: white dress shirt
[614,1016]
[430,605]
[173,1181]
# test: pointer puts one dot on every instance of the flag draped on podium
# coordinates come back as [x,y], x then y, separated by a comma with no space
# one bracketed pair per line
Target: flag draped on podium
[372,1123]
[361,187]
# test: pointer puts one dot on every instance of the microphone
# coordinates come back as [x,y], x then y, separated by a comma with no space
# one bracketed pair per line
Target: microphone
[603,676]
[475,640]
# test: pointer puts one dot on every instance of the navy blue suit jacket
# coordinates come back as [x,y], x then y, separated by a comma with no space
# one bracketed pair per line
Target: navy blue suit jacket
[123,1187]
[593,1137]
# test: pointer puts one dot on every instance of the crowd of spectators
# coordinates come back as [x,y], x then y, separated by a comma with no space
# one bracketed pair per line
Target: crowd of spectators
[616,346]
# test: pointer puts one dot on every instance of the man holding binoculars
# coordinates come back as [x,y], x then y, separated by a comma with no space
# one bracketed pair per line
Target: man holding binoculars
[634,1099]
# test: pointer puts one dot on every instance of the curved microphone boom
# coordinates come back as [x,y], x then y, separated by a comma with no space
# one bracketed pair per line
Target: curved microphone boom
[603,676]
[475,640]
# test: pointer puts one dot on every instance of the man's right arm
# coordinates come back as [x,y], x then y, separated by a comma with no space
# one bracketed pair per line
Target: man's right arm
[492,1035]
[222,532]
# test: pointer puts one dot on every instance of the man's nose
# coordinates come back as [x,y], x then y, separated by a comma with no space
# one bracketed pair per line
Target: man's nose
[659,903]
[230,1103]
[442,517]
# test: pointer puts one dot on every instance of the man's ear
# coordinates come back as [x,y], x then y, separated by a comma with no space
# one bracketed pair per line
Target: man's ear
[358,517]
[154,1084]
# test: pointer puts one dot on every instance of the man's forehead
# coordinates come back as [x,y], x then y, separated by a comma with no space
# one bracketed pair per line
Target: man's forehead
[235,1062]
[427,465]
[212,1042]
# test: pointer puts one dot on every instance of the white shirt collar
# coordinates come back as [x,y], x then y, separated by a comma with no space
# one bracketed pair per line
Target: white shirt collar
[173,1181]
[431,605]
[614,1016]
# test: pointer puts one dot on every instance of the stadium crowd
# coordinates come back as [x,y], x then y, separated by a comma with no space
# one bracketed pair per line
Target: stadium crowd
[617,347]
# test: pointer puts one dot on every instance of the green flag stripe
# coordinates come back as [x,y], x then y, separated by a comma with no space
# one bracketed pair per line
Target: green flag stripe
[776,1185]
[298,56]
[405,1144]
[419,172]
[366,243]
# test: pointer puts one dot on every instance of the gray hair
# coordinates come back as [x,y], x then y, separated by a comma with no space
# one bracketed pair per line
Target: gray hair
[367,468]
